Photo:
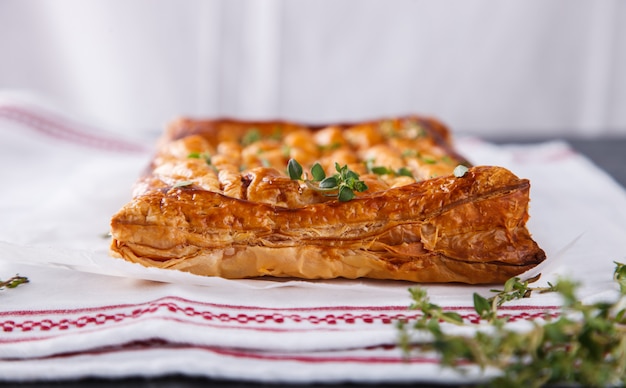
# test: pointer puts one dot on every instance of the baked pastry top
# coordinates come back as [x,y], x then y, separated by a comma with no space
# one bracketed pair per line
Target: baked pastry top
[382,199]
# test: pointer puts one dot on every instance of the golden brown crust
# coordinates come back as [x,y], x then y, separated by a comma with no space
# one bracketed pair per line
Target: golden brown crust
[259,222]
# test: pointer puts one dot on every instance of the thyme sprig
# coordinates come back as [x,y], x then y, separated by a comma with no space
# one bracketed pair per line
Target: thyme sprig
[585,344]
[343,184]
[201,155]
[206,156]
[13,282]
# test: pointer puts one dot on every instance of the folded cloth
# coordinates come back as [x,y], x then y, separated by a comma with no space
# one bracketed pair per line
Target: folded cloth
[85,314]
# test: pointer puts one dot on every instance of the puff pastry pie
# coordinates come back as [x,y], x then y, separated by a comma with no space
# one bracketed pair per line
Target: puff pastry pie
[241,199]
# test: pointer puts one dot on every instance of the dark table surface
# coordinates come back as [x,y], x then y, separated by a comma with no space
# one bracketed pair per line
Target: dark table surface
[607,153]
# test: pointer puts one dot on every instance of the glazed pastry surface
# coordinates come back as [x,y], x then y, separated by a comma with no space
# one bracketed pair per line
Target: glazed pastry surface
[217,200]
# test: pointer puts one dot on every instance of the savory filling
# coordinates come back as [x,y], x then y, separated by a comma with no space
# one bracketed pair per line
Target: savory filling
[292,166]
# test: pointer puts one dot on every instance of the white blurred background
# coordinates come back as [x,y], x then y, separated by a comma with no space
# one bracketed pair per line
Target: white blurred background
[485,67]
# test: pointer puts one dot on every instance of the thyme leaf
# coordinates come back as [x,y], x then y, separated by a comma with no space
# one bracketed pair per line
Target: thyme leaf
[329,183]
[460,170]
[379,170]
[620,276]
[13,282]
[403,171]
[294,169]
[318,172]
[251,136]
[182,184]
[345,194]
[201,155]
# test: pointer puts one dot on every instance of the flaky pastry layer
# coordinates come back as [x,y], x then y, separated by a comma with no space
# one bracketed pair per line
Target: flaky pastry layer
[217,201]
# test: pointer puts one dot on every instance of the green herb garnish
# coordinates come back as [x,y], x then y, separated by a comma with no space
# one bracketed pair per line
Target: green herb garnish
[317,171]
[585,344]
[460,170]
[329,147]
[620,276]
[251,136]
[348,182]
[403,171]
[343,184]
[13,282]
[382,170]
[294,170]
[201,155]
[182,184]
